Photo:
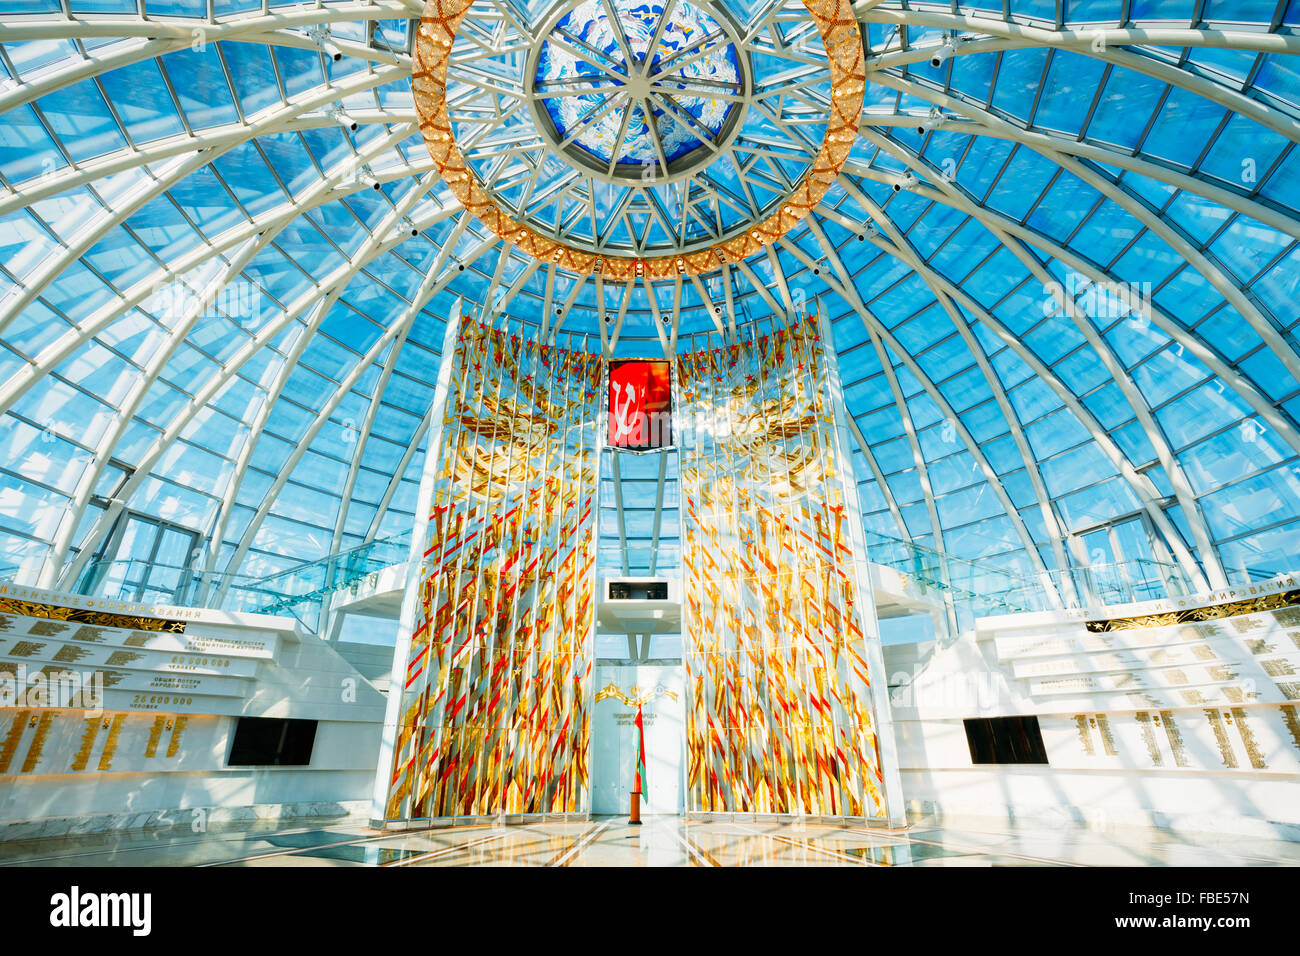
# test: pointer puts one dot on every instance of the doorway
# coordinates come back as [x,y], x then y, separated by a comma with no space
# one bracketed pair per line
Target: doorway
[660,685]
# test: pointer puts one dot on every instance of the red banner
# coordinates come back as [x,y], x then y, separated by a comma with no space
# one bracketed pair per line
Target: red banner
[640,404]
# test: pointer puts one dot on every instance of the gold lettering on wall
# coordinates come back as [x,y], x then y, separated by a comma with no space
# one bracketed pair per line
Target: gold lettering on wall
[1085,735]
[91,635]
[1149,738]
[155,735]
[38,742]
[1107,738]
[174,745]
[1277,667]
[110,745]
[10,744]
[1221,737]
[1292,721]
[82,756]
[1175,739]
[1248,739]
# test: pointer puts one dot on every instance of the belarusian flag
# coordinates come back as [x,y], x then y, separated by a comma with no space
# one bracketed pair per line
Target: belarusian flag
[640,753]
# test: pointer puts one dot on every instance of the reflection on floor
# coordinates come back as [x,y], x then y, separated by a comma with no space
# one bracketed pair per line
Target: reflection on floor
[661,841]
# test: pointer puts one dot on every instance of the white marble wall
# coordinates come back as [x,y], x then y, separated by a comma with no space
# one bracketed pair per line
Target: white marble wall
[1194,725]
[152,755]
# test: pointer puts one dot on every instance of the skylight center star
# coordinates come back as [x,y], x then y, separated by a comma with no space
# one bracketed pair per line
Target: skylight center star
[638,86]
[621,85]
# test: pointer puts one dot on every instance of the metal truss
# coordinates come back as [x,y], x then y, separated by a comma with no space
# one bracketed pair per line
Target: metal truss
[616,200]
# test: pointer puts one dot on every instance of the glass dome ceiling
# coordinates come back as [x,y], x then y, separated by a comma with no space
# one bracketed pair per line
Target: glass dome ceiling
[1060,265]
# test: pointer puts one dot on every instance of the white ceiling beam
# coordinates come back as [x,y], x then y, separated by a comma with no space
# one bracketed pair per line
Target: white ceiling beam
[96,226]
[205,393]
[848,291]
[377,395]
[329,188]
[1257,110]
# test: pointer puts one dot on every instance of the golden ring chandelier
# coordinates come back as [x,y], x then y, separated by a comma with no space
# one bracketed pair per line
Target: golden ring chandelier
[839,30]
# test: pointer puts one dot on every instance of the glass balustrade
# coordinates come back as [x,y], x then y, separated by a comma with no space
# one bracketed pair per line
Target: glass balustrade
[970,588]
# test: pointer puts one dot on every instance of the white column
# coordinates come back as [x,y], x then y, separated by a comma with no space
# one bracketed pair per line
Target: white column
[884,723]
[415,571]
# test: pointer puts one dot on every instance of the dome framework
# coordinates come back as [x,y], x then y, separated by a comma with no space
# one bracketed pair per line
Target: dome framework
[228,259]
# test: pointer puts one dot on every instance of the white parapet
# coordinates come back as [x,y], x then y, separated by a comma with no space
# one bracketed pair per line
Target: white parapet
[116,713]
[1181,712]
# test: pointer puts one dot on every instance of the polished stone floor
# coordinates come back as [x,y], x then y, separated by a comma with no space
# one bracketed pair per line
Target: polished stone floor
[660,841]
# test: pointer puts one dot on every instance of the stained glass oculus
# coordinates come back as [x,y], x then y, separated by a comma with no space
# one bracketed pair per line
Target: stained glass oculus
[653,84]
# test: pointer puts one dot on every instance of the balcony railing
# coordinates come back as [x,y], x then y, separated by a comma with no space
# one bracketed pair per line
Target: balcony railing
[978,588]
[300,591]
[973,588]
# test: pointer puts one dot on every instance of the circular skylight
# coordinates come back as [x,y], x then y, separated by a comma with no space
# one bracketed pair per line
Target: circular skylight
[627,141]
[639,87]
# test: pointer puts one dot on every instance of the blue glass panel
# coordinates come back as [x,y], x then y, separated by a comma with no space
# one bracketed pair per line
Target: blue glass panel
[1109,406]
[985,422]
[1075,469]
[1265,555]
[252,74]
[1222,65]
[1200,412]
[972,74]
[982,164]
[1232,454]
[1072,81]
[1187,122]
[1148,262]
[1243,152]
[1021,183]
[26,149]
[1229,333]
[1279,76]
[1094,505]
[79,117]
[1127,95]
[1254,503]
[1093,11]
[199,80]
[1068,202]
[1239,11]
[1108,230]
[1187,296]
[142,101]
[1134,442]
[1247,246]
[1267,370]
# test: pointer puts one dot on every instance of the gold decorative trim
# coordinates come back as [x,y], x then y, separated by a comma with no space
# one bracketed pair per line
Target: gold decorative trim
[1268,602]
[634,697]
[76,615]
[839,30]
